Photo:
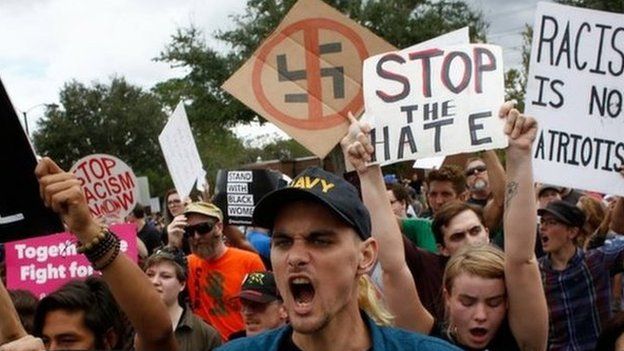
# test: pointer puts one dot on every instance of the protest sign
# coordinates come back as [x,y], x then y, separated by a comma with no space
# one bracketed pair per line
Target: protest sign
[178,147]
[22,213]
[109,185]
[435,99]
[576,92]
[42,265]
[144,193]
[237,192]
[307,75]
[429,162]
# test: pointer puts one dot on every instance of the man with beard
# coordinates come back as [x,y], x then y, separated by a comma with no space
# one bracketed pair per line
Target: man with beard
[485,179]
[321,247]
[215,271]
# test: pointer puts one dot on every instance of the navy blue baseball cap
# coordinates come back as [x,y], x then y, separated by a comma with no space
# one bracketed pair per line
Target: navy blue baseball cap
[318,185]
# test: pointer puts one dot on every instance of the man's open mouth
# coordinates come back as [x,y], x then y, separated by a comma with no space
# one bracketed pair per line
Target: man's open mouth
[302,291]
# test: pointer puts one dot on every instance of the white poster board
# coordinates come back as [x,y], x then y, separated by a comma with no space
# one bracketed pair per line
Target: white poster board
[178,146]
[436,98]
[429,162]
[576,92]
[144,193]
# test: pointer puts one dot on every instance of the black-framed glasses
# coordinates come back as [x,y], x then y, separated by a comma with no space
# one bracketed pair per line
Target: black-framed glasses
[475,170]
[201,229]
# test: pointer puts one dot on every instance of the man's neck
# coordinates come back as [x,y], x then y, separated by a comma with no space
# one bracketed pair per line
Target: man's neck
[559,259]
[346,331]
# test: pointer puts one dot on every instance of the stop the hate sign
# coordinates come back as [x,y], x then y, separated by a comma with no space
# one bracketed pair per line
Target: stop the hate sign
[307,75]
[109,185]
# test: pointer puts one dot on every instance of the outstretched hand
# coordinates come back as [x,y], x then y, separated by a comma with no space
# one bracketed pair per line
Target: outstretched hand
[521,130]
[356,144]
[61,191]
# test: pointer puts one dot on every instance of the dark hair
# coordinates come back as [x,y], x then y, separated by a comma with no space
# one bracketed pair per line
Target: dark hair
[445,215]
[400,193]
[138,212]
[168,214]
[449,173]
[25,303]
[170,255]
[611,331]
[93,297]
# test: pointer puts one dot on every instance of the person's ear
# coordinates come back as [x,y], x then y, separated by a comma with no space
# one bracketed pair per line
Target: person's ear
[443,250]
[368,255]
[283,315]
[183,286]
[110,339]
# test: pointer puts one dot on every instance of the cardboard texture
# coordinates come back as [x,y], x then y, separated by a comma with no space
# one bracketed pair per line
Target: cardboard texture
[306,76]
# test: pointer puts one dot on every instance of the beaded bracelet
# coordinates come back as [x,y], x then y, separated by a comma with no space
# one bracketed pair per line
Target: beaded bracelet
[110,259]
[94,242]
[98,252]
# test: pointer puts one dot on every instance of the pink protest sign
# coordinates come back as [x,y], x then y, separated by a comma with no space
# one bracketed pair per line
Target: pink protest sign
[109,185]
[41,265]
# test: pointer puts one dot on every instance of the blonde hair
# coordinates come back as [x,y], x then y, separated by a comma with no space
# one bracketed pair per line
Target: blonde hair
[485,261]
[369,300]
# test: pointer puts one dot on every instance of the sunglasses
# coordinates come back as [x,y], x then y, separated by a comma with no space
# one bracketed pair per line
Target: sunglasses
[475,170]
[201,229]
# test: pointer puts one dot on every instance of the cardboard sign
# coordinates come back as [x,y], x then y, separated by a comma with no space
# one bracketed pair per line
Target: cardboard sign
[576,92]
[22,213]
[178,146]
[238,192]
[109,185]
[307,75]
[433,100]
[42,265]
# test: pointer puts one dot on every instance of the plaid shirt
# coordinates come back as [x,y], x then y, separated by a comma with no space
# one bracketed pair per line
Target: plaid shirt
[579,297]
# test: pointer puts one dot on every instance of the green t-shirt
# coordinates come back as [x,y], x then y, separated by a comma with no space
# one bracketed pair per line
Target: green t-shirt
[418,230]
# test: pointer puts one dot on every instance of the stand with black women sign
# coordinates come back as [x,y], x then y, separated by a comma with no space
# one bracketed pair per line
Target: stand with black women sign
[22,213]
[237,192]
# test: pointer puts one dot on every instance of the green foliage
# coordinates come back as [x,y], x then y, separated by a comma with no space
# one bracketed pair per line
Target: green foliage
[277,150]
[516,80]
[117,119]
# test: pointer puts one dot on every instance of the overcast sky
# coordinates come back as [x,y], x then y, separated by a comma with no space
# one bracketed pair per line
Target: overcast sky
[46,43]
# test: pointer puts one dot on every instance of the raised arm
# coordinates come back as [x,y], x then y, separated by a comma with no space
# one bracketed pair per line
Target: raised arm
[399,290]
[528,314]
[493,210]
[129,285]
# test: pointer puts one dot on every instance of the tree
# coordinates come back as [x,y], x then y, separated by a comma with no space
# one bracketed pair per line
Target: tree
[117,119]
[602,5]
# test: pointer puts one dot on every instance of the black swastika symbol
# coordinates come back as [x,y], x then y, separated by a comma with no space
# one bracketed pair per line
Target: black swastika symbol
[336,73]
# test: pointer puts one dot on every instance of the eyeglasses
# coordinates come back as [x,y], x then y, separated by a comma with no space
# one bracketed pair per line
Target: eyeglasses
[201,229]
[475,170]
[173,202]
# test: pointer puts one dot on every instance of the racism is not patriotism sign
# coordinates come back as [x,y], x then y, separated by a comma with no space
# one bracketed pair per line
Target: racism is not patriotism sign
[440,97]
[109,185]
[306,76]
[575,90]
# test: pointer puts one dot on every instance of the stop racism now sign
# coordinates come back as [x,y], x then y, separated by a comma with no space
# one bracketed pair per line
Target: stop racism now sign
[109,185]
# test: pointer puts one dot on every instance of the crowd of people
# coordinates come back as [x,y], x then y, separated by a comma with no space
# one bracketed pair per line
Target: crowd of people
[474,256]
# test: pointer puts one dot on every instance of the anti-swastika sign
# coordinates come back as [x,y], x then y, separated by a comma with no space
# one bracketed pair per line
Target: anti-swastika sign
[307,75]
[109,185]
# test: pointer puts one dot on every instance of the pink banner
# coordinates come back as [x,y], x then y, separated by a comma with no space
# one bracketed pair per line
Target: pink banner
[43,264]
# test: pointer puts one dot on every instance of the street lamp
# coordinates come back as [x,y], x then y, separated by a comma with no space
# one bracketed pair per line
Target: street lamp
[25,113]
